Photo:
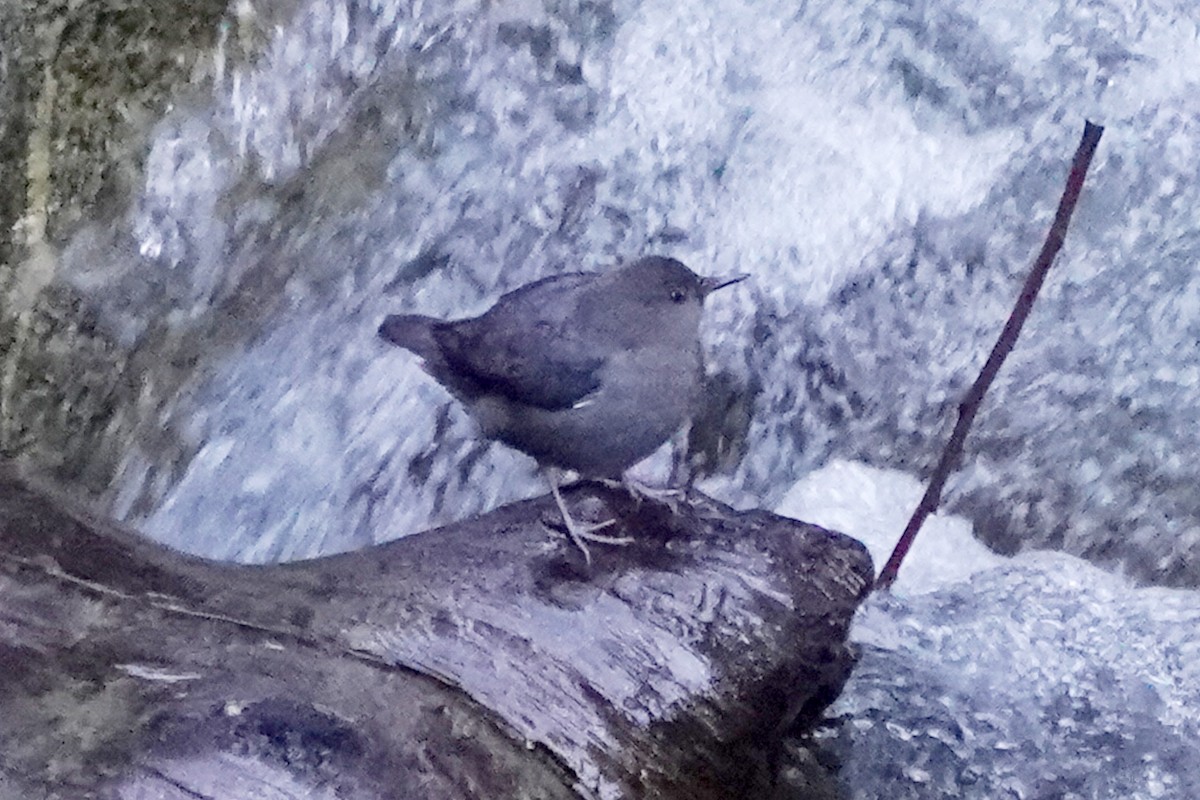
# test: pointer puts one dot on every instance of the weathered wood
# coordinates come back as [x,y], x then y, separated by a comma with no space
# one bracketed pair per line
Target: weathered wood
[478,660]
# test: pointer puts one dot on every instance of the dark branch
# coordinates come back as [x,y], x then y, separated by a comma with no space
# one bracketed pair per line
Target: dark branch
[1004,345]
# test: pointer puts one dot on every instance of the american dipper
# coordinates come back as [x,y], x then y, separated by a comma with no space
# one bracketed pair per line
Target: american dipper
[584,371]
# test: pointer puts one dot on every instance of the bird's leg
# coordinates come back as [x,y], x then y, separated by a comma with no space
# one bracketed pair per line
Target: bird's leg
[668,495]
[580,532]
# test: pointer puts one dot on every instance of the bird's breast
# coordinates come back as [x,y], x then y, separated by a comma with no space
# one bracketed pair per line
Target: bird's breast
[644,396]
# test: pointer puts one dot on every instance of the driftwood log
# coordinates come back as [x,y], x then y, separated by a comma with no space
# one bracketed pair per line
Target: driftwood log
[478,660]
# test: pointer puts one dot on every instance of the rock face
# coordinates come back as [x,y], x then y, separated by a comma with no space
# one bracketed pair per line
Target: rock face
[478,660]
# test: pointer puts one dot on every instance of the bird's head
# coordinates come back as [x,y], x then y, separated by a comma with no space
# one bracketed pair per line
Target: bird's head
[657,299]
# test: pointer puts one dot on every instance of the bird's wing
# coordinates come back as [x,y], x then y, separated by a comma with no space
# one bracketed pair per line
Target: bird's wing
[525,348]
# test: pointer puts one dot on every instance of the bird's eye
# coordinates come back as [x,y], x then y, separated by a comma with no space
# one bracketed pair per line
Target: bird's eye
[678,295]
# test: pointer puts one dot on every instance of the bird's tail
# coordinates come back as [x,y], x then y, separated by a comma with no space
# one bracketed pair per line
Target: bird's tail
[412,332]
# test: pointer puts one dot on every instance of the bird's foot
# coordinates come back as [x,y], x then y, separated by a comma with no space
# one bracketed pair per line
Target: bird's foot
[671,497]
[580,533]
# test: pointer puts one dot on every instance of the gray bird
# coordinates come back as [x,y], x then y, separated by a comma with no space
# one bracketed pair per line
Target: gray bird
[584,371]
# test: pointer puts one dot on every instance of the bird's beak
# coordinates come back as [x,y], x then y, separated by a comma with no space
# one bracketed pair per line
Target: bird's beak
[710,284]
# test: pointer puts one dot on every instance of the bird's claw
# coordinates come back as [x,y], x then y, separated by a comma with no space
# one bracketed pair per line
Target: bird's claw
[671,497]
[580,532]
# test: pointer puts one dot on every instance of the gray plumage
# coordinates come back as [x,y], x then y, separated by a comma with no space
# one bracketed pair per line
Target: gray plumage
[590,372]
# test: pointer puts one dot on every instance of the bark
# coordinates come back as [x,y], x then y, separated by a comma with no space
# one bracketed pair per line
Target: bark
[482,659]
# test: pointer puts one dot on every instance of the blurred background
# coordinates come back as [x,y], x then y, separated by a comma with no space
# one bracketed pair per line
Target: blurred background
[208,208]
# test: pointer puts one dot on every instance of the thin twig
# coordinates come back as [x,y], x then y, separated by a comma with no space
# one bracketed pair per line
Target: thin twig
[1004,345]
